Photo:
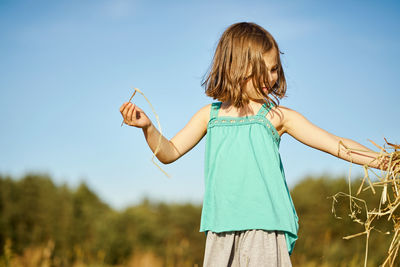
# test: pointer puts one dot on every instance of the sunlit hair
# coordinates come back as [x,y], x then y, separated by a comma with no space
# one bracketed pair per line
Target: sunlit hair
[240,52]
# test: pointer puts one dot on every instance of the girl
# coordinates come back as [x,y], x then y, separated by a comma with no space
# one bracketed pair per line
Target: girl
[248,215]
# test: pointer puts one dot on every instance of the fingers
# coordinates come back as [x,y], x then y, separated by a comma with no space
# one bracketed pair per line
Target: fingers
[125,111]
[130,112]
[124,107]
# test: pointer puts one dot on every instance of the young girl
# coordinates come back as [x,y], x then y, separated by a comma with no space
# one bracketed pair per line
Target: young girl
[248,214]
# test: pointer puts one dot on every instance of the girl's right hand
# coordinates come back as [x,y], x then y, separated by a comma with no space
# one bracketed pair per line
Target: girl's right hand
[134,116]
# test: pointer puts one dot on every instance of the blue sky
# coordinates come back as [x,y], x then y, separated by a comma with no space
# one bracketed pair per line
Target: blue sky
[67,66]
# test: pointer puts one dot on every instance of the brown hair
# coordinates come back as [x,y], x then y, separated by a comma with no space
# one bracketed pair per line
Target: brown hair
[239,51]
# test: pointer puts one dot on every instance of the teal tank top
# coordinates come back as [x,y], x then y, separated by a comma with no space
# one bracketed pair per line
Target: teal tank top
[245,185]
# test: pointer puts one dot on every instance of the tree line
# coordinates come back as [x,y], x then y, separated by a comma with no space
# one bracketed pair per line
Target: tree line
[80,227]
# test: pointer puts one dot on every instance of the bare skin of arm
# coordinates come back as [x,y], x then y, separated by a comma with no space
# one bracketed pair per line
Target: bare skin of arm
[311,135]
[169,150]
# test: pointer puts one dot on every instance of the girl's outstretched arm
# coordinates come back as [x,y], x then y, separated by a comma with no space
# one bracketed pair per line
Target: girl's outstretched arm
[182,142]
[311,135]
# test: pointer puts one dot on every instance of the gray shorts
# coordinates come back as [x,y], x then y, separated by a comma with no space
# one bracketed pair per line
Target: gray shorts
[248,248]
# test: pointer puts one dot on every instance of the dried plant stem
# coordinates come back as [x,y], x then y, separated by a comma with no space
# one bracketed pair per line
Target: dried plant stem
[159,127]
[387,204]
[122,123]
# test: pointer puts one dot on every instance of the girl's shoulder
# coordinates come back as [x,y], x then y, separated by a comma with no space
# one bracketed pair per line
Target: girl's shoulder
[204,113]
[277,116]
[285,118]
[281,109]
[283,112]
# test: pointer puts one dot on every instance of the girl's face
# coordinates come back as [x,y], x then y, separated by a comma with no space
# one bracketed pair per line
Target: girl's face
[272,69]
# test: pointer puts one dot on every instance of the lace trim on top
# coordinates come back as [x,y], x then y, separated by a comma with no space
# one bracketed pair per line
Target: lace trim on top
[259,118]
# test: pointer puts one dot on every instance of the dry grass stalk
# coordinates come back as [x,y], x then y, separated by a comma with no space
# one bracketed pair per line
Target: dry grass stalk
[159,127]
[122,123]
[391,164]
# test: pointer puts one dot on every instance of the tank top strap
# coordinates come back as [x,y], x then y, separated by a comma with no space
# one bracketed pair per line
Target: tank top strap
[214,109]
[264,109]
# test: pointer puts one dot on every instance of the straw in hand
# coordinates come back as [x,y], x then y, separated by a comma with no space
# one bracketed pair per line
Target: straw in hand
[159,127]
[129,101]
[389,203]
